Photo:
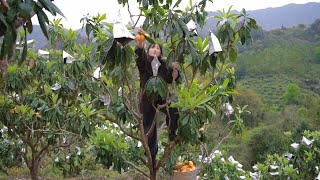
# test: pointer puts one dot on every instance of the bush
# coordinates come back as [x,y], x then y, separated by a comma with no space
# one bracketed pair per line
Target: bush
[266,140]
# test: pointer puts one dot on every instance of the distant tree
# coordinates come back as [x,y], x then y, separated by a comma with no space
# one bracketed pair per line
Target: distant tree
[255,106]
[292,94]
[302,26]
[313,32]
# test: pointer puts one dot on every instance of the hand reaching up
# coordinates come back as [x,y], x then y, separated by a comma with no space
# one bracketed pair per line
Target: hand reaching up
[140,37]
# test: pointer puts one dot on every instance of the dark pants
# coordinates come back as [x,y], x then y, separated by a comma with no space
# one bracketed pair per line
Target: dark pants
[148,112]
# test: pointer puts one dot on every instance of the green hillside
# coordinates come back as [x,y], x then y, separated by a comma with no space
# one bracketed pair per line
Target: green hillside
[279,79]
[279,57]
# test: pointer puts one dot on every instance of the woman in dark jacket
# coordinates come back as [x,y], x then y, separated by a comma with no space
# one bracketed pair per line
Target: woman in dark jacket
[147,107]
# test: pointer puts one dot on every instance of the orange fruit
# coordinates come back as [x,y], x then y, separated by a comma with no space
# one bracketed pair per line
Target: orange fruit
[184,167]
[191,163]
[179,164]
[186,162]
[140,37]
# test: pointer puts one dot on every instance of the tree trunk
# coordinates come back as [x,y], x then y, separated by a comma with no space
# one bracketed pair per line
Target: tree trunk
[34,170]
[3,67]
[153,175]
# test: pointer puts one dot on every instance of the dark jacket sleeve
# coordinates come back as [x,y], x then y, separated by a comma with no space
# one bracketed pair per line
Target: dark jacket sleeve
[166,73]
[141,59]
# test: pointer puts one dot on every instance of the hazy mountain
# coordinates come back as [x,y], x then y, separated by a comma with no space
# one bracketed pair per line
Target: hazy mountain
[270,18]
[287,16]
[273,18]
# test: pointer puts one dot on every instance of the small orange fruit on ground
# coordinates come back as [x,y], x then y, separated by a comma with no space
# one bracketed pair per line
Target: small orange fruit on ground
[179,164]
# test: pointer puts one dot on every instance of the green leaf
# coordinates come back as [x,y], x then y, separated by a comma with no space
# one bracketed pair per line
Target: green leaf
[43,20]
[53,9]
[25,49]
[183,26]
[177,3]
[26,7]
[8,41]
[233,55]
[225,83]
[149,39]
[203,99]
[145,4]
[29,26]
[88,28]
[3,19]
[156,88]
[242,35]
[184,120]
[211,109]
[213,61]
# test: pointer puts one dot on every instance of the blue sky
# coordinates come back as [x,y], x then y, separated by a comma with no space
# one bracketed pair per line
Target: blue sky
[74,10]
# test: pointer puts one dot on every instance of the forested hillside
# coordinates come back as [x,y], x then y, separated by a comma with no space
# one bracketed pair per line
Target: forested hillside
[278,78]
[281,56]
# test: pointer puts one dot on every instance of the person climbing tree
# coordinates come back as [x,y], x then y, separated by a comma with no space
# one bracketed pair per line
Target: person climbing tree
[147,105]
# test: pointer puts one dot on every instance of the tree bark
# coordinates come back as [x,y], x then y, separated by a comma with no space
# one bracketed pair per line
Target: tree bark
[153,175]
[3,67]
[34,171]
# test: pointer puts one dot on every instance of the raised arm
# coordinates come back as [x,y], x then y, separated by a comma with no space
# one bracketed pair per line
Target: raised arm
[140,52]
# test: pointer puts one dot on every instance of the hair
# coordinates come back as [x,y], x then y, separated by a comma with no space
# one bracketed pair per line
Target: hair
[152,45]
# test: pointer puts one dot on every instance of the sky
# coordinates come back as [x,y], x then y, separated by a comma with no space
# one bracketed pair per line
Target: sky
[74,10]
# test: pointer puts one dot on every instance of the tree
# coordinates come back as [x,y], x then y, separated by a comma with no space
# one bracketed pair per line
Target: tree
[198,104]
[292,94]
[43,108]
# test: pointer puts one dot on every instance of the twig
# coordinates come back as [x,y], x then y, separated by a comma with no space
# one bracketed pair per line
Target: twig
[121,128]
[224,138]
[134,26]
[137,168]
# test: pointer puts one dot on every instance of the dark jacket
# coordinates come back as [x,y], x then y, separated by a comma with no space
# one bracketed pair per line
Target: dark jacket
[145,72]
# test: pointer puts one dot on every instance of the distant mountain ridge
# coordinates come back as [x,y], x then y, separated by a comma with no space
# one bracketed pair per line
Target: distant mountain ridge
[287,16]
[273,18]
[270,18]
